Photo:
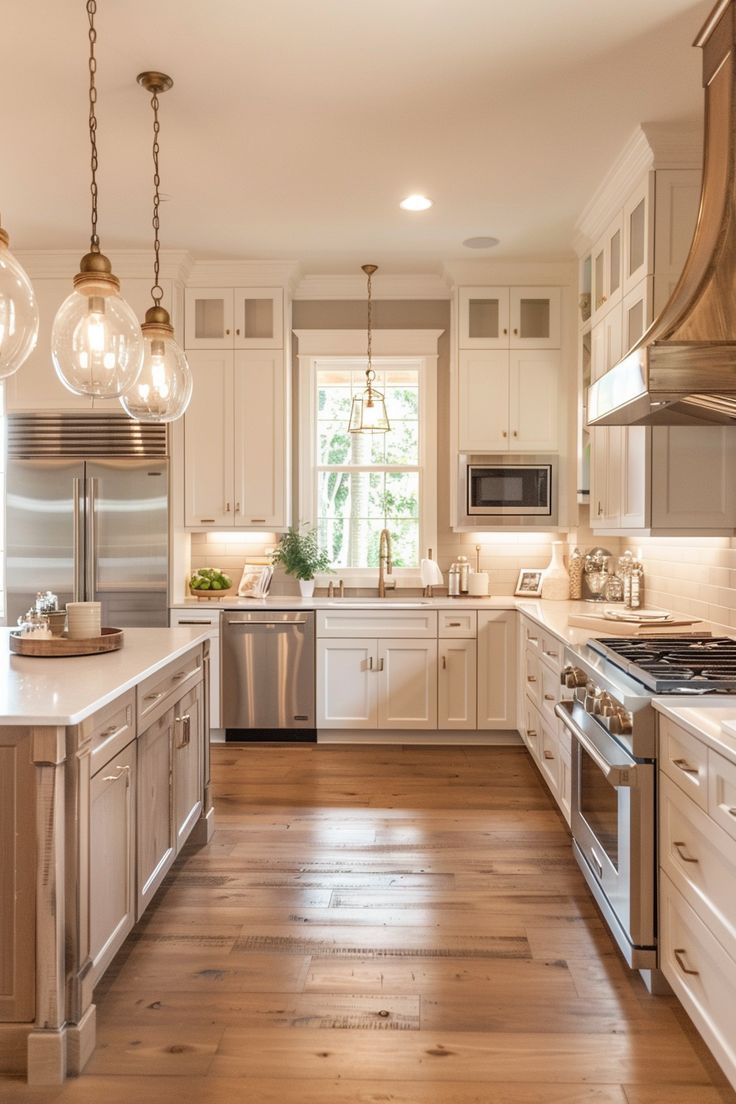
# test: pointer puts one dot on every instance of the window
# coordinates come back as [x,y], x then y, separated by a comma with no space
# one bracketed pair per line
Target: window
[353,485]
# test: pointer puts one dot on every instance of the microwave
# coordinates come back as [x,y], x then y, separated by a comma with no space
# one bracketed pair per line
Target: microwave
[507,491]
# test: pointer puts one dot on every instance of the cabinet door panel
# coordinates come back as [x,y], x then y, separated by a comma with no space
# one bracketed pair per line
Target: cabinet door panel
[535,318]
[18,877]
[260,433]
[533,396]
[208,318]
[483,401]
[497,669]
[347,683]
[208,442]
[407,696]
[483,318]
[457,678]
[635,473]
[188,760]
[639,234]
[155,816]
[693,477]
[259,318]
[111,858]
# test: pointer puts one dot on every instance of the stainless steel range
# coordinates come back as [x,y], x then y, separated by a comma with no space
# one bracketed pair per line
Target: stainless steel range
[609,685]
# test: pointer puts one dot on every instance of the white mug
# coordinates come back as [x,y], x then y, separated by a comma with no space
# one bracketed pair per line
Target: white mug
[84,620]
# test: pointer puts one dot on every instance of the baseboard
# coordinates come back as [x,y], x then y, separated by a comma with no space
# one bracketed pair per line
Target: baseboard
[455,738]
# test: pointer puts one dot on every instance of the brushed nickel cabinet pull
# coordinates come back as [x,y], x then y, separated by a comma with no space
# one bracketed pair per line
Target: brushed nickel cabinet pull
[684,766]
[186,722]
[681,852]
[679,953]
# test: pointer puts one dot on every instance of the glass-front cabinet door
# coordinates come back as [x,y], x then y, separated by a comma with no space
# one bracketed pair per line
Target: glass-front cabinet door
[535,318]
[484,318]
[259,318]
[639,234]
[607,268]
[208,322]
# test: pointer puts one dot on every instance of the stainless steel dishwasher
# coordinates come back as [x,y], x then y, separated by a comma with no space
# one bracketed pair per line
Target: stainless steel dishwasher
[268,677]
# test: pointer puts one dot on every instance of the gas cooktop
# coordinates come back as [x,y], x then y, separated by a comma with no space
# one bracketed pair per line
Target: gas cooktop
[695,664]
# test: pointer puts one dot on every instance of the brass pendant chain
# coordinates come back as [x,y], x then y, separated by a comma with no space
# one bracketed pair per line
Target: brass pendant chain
[157,292]
[91,12]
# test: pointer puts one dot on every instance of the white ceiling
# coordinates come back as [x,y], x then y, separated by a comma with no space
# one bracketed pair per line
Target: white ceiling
[296,126]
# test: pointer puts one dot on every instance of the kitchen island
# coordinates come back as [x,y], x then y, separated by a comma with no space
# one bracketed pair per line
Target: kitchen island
[104,775]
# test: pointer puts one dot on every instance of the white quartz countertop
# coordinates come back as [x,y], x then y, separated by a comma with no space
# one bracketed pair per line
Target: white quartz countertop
[710,718]
[61,691]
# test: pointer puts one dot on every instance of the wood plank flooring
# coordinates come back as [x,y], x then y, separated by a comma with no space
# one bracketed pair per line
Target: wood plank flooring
[381,925]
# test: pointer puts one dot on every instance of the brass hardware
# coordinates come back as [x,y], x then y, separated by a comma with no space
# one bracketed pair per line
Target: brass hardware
[206,521]
[504,434]
[548,754]
[681,851]
[237,507]
[227,332]
[550,697]
[444,663]
[731,812]
[454,625]
[186,722]
[684,766]
[370,663]
[531,678]
[679,953]
[227,507]
[505,330]
[341,586]
[109,731]
[514,434]
[380,665]
[258,521]
[237,333]
[531,733]
[179,675]
[600,508]
[330,589]
[154,697]
[385,561]
[552,655]
[515,330]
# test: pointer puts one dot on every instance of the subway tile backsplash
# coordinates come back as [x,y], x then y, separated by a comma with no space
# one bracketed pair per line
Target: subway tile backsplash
[696,577]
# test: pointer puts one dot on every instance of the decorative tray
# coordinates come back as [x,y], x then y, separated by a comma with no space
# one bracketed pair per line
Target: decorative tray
[23,644]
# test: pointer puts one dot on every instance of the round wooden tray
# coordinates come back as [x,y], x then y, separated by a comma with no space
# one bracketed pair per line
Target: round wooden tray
[55,646]
[211,594]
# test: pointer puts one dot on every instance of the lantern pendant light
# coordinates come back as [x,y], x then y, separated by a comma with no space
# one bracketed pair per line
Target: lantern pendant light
[18,312]
[96,342]
[368,411]
[163,389]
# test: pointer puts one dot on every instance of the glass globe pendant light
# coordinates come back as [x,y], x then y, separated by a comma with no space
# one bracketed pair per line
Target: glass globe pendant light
[18,312]
[96,342]
[368,410]
[163,389]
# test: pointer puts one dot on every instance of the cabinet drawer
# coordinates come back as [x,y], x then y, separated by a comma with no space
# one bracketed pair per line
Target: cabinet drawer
[701,973]
[407,623]
[464,623]
[549,757]
[722,793]
[700,859]
[531,733]
[112,728]
[549,688]
[531,635]
[154,693]
[532,676]
[552,650]
[685,760]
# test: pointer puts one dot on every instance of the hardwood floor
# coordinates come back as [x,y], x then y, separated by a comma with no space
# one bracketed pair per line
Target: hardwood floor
[381,925]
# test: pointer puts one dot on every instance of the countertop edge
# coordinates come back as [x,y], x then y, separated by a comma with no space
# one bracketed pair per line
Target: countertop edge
[709,732]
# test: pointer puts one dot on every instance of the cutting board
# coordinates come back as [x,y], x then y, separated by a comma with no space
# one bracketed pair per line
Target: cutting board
[600,624]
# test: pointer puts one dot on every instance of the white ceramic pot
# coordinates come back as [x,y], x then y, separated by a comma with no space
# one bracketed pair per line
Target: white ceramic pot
[306,587]
[556,581]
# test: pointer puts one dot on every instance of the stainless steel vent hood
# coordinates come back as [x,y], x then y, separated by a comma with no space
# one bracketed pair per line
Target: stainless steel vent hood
[683,370]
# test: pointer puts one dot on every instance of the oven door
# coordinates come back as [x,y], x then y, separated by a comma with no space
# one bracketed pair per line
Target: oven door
[510,489]
[613,830]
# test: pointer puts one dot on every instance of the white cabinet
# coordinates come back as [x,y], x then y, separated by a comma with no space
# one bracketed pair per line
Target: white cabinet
[234,318]
[497,669]
[206,618]
[508,401]
[509,318]
[188,763]
[607,258]
[236,441]
[347,690]
[457,682]
[638,226]
[364,683]
[112,897]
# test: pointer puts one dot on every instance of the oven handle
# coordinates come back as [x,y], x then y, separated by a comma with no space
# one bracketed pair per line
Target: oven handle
[620,777]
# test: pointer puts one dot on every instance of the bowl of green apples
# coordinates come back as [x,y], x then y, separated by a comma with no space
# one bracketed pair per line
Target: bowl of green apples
[210,582]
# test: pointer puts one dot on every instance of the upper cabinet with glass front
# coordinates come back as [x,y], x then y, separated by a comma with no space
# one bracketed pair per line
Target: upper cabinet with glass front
[509,318]
[234,318]
[607,265]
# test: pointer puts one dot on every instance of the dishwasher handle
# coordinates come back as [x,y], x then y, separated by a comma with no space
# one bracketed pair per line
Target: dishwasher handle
[267,624]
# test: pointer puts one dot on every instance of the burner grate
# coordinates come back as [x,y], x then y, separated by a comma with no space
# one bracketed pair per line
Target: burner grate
[671,664]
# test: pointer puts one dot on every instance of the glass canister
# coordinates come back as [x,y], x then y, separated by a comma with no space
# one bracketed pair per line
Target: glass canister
[34,623]
[615,589]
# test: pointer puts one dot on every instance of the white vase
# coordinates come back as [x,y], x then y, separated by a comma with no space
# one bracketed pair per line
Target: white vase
[556,581]
[306,587]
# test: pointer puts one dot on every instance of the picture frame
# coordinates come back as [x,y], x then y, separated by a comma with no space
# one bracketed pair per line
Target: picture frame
[255,580]
[529,583]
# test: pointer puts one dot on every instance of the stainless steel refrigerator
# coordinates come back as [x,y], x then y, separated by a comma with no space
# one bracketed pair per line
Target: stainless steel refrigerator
[87,515]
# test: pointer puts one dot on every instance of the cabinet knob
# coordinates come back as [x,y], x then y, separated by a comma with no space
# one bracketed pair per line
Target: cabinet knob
[504,434]
[237,507]
[227,507]
[515,434]
[505,330]
[227,332]
[237,332]
[515,330]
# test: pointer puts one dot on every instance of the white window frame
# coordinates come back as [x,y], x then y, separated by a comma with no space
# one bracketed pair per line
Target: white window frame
[415,349]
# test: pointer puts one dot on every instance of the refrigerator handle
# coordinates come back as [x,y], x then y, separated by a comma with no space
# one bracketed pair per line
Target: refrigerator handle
[78,541]
[91,549]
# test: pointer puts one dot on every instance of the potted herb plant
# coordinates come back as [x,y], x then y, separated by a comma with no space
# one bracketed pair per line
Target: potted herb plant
[300,555]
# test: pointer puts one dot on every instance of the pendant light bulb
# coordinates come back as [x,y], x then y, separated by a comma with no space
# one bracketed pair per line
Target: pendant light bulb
[18,312]
[96,342]
[163,390]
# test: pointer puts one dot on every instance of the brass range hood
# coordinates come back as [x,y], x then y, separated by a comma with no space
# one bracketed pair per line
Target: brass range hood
[683,370]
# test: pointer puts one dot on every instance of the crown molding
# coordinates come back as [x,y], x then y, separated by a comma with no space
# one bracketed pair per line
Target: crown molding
[486,272]
[651,146]
[417,343]
[126,263]
[235,273]
[386,286]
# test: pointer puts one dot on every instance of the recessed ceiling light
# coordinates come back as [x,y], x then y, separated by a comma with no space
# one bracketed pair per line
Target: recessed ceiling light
[480,242]
[415,203]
